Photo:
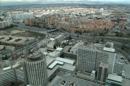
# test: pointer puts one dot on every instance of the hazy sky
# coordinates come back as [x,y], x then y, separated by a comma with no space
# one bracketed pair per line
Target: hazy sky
[116,1]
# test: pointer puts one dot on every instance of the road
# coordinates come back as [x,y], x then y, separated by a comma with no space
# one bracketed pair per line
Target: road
[83,37]
[45,31]
[34,29]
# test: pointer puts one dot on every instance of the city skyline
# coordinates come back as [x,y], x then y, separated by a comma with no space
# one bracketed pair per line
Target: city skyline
[64,43]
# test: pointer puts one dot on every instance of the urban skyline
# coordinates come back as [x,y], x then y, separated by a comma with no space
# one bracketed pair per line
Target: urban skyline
[64,44]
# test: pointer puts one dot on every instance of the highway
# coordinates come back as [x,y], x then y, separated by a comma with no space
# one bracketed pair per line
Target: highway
[45,31]
[34,29]
[83,37]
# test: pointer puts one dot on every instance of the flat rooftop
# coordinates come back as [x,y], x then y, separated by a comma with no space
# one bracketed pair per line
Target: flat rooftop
[69,79]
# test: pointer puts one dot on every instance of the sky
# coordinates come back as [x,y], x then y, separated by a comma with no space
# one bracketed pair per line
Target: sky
[57,1]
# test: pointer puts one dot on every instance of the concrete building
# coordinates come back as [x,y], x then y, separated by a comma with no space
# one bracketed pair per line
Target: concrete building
[76,46]
[20,16]
[114,79]
[102,72]
[5,20]
[56,53]
[35,70]
[8,76]
[5,52]
[109,47]
[66,78]
[90,59]
[126,75]
[51,44]
[5,23]
[103,56]
[118,66]
[86,60]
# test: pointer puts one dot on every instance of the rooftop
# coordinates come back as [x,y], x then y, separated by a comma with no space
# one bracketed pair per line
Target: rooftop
[115,77]
[68,79]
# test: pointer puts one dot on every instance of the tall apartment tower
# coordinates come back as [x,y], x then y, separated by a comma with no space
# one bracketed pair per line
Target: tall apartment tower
[102,72]
[86,60]
[89,59]
[35,70]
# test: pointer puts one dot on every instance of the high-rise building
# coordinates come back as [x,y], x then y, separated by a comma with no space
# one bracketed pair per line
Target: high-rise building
[86,60]
[101,57]
[102,72]
[35,70]
[90,59]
